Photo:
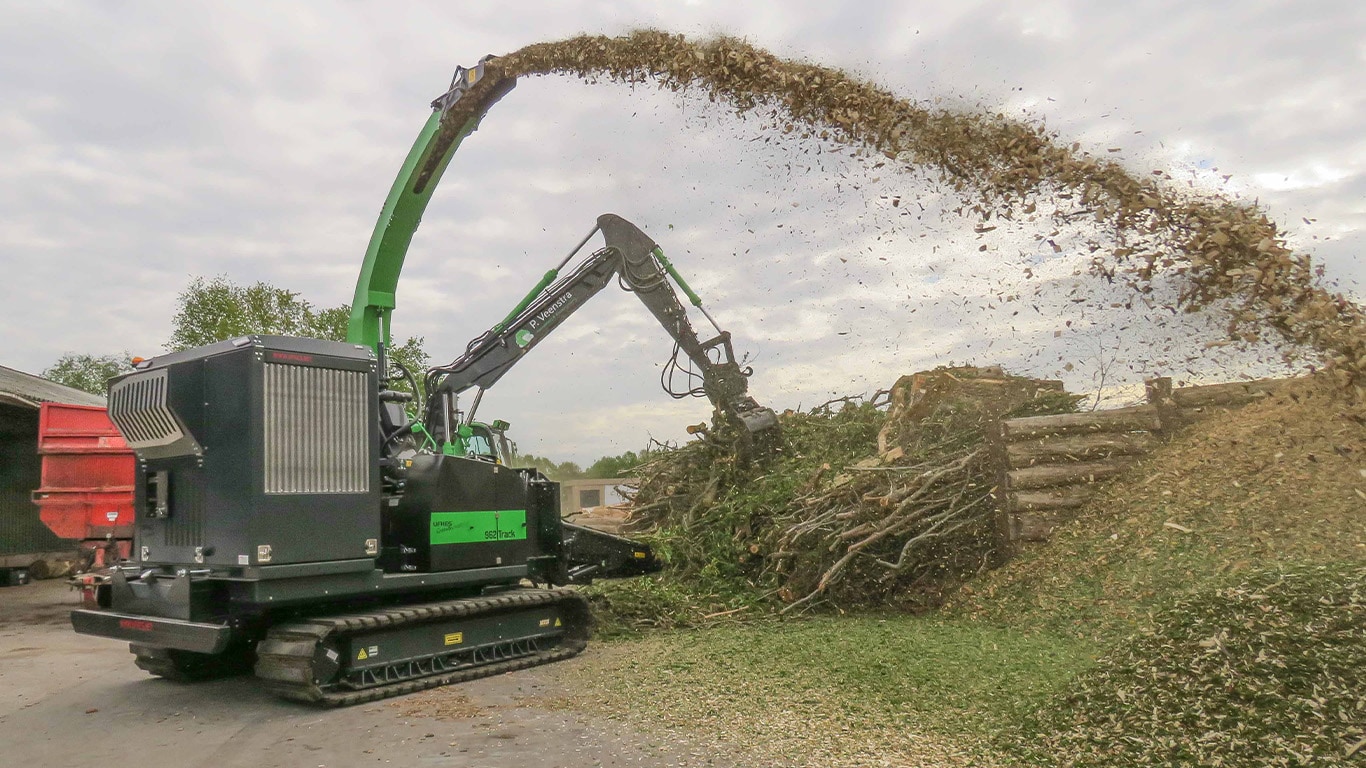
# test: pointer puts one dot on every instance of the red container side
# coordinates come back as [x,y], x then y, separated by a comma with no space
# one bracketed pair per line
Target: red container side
[98,471]
[87,514]
[64,428]
[87,476]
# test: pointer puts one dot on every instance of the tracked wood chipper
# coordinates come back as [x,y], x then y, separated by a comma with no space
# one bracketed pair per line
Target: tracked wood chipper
[298,515]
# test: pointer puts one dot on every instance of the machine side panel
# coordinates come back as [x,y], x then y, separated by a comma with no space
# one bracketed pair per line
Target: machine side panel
[461,513]
[169,492]
[231,435]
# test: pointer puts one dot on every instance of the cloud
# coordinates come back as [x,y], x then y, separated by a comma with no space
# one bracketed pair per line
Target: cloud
[155,143]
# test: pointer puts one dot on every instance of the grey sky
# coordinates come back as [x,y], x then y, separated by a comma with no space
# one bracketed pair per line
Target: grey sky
[145,143]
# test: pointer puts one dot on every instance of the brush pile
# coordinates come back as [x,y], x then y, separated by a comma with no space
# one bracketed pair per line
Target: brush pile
[1219,253]
[858,508]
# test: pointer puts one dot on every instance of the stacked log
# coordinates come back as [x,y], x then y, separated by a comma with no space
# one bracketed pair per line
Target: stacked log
[1179,407]
[1050,464]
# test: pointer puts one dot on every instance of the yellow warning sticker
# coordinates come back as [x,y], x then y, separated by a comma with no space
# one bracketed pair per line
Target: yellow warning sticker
[639,555]
[557,622]
[455,638]
[362,656]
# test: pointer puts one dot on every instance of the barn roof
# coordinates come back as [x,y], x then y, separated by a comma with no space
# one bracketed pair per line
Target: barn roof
[25,389]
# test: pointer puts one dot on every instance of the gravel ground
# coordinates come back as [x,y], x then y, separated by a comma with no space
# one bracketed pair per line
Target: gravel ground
[74,700]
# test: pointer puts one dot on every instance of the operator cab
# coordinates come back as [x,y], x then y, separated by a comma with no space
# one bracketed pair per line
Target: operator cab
[489,442]
[479,444]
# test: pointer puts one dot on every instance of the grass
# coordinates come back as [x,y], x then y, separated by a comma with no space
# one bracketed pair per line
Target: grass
[836,691]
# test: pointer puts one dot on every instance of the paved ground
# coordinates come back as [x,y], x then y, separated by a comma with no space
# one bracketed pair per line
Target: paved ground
[73,700]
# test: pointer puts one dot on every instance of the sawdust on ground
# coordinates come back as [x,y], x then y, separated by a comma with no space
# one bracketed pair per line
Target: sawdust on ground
[441,704]
[782,729]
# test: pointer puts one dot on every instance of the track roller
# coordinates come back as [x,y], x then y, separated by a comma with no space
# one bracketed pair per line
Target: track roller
[354,658]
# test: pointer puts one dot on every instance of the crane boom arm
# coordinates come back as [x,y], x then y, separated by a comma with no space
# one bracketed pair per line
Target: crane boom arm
[645,271]
[631,255]
[494,353]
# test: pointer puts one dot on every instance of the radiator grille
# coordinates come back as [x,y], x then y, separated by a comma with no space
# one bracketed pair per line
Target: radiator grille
[138,406]
[316,430]
[185,526]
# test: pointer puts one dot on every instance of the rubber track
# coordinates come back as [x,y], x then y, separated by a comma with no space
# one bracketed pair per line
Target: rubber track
[285,657]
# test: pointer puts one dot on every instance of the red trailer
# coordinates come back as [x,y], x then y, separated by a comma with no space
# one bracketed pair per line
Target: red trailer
[87,479]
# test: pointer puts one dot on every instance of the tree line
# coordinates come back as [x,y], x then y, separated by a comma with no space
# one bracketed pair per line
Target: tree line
[605,467]
[212,310]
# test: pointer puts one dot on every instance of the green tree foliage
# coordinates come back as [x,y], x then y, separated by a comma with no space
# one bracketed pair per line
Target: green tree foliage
[218,309]
[89,373]
[616,466]
[213,310]
[565,471]
[605,467]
